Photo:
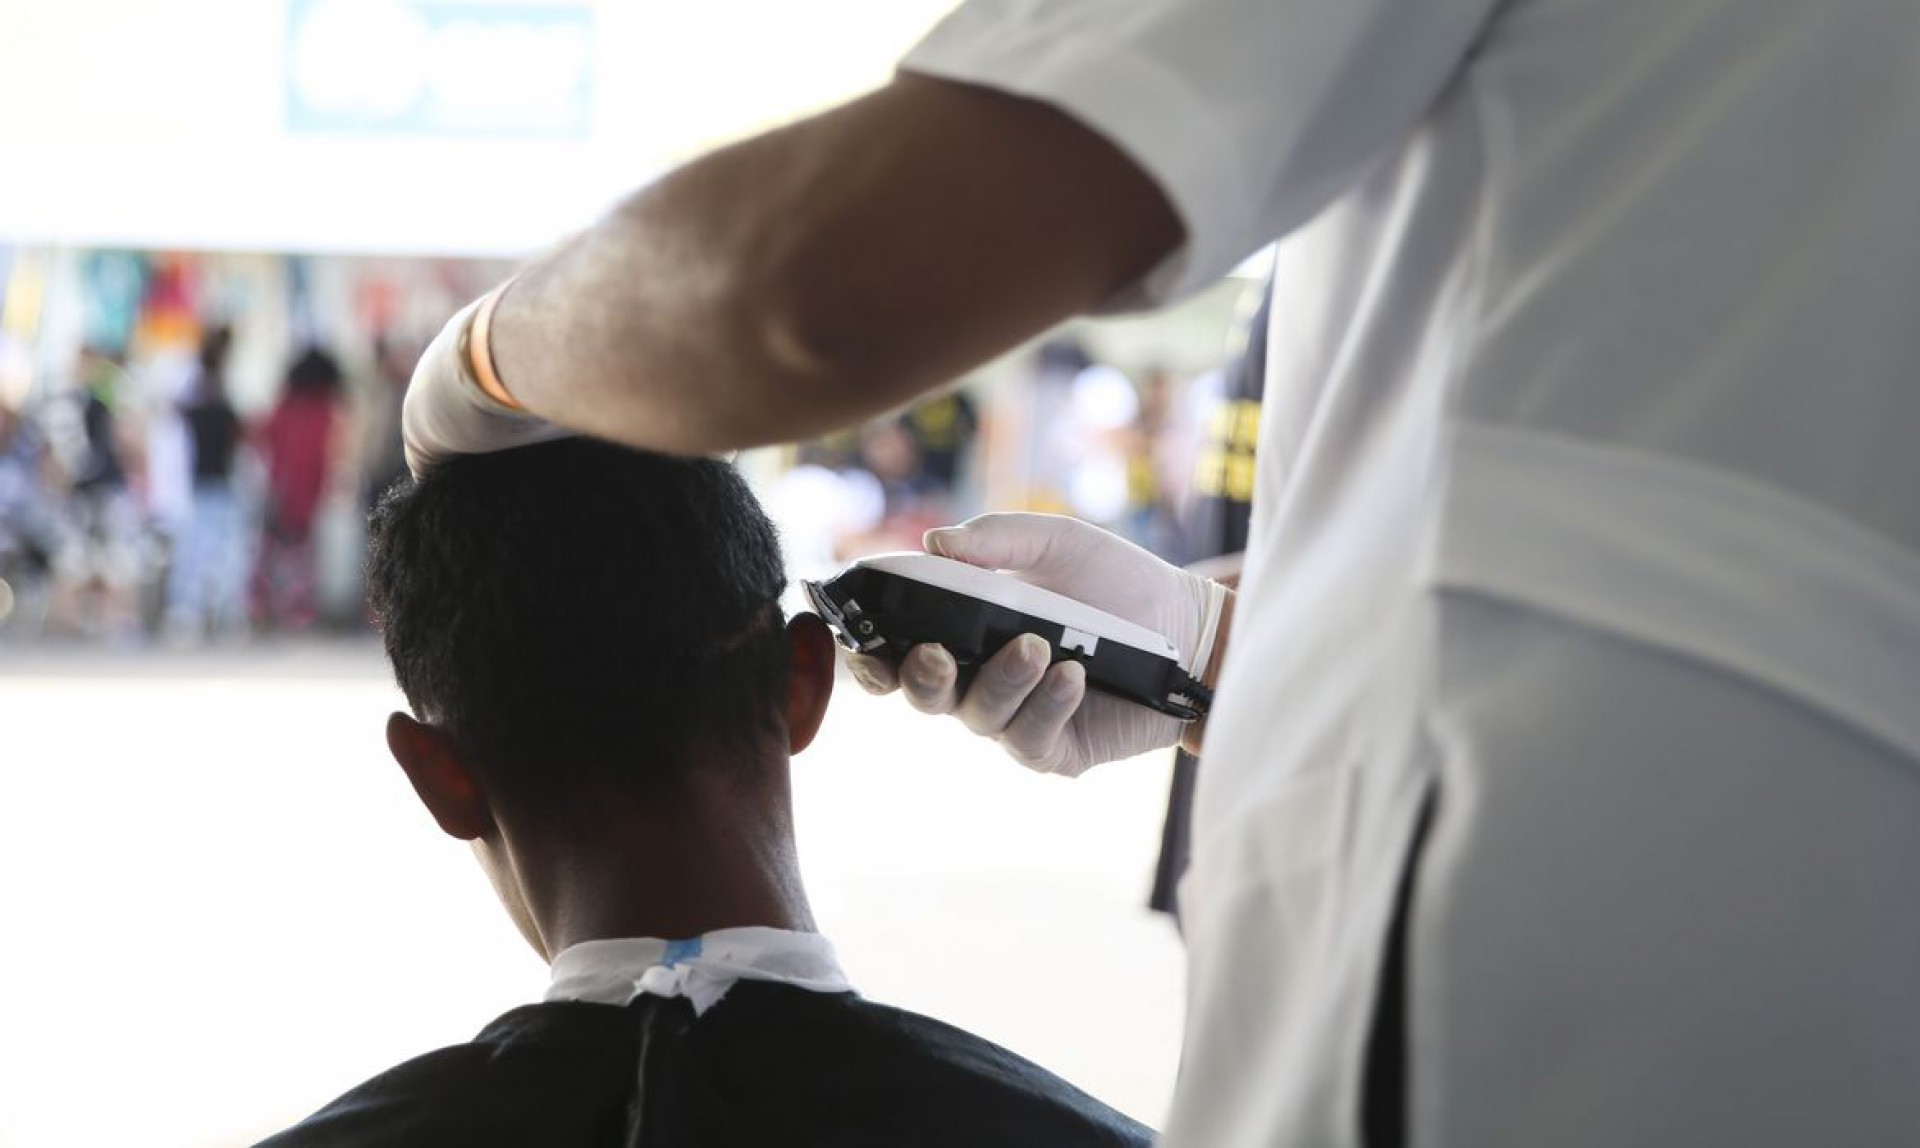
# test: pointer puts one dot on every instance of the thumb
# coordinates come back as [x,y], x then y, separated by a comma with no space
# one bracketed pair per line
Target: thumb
[1006,540]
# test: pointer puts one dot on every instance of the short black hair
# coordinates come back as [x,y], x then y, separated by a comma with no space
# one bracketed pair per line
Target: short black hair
[315,371]
[577,615]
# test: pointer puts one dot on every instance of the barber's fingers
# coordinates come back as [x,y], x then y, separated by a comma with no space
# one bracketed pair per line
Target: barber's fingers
[1001,685]
[930,679]
[874,675]
[1036,737]
[1010,540]
[1014,697]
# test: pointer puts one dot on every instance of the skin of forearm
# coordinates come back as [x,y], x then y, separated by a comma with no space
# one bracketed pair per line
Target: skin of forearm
[1195,734]
[828,271]
[623,329]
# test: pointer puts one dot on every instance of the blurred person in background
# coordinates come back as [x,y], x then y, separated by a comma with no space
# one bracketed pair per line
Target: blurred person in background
[912,500]
[1152,490]
[1047,393]
[98,563]
[25,532]
[908,487]
[207,582]
[945,429]
[605,697]
[301,442]
[383,458]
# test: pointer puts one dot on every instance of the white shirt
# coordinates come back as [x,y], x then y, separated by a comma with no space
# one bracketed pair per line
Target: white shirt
[701,969]
[1610,309]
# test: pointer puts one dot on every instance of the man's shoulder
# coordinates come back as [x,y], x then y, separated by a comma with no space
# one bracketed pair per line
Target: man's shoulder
[839,1058]
[768,1064]
[556,1073]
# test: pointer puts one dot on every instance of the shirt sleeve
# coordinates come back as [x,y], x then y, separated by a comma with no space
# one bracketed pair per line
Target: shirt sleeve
[1251,114]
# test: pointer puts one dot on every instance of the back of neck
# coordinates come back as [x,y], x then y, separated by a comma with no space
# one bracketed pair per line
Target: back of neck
[720,857]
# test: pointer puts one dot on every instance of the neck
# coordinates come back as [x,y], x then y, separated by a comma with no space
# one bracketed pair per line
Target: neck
[720,857]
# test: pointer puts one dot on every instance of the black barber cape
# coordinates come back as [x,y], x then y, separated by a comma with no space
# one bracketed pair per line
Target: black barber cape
[769,1064]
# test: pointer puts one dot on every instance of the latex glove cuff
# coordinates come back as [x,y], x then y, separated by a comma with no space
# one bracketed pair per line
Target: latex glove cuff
[454,407]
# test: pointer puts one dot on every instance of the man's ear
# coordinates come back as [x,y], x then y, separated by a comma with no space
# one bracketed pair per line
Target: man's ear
[444,783]
[811,665]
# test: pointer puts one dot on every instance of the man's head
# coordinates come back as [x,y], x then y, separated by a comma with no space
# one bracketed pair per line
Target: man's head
[581,618]
[315,372]
[582,628]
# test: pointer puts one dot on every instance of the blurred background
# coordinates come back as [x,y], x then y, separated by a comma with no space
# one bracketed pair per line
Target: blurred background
[227,227]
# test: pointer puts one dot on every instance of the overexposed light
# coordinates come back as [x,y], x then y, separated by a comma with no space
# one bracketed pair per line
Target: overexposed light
[1104,399]
[360,57]
[389,126]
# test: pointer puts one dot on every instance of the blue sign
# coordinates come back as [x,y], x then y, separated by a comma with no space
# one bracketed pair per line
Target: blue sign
[440,67]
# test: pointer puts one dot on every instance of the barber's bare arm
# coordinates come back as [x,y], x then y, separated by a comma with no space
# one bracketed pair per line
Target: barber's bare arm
[827,271]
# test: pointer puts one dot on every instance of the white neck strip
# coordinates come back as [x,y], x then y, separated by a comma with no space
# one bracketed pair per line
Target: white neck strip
[700,969]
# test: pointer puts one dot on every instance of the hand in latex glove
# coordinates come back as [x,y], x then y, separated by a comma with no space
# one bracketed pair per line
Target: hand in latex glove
[1044,717]
[447,414]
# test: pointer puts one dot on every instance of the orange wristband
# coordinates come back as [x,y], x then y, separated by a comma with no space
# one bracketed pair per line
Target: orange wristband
[480,350]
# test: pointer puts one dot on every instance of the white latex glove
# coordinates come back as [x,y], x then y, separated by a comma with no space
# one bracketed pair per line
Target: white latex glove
[447,414]
[1044,718]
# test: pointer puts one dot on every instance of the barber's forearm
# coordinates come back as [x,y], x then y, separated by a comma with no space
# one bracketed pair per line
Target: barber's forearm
[1194,736]
[639,329]
[828,271]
